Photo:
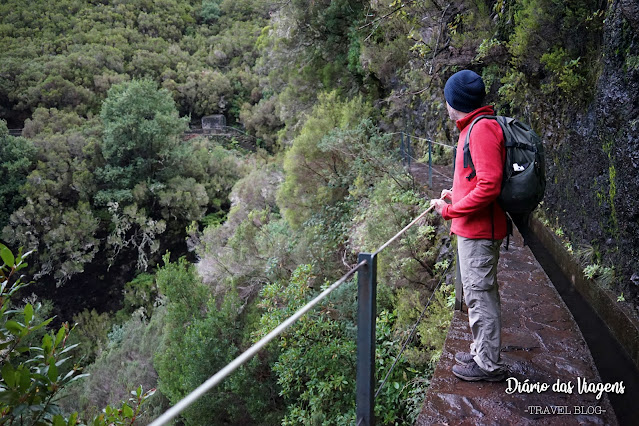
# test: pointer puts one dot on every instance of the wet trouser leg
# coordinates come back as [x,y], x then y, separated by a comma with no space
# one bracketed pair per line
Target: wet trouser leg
[478,266]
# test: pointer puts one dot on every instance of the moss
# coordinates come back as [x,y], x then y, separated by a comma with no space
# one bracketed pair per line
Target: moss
[608,148]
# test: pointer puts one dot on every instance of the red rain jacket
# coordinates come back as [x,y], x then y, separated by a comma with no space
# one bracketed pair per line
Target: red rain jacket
[474,210]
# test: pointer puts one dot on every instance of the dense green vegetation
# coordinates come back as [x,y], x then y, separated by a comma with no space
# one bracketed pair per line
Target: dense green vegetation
[200,246]
[35,367]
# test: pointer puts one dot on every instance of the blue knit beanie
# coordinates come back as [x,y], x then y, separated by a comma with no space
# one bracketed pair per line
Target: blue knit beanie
[465,91]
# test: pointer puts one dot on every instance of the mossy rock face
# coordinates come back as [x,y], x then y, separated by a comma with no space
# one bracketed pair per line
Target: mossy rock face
[594,181]
[589,129]
[630,10]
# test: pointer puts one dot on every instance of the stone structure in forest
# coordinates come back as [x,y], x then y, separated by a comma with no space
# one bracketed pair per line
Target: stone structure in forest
[213,123]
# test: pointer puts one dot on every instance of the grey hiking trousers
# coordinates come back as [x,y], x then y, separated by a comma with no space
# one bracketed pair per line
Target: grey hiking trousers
[478,266]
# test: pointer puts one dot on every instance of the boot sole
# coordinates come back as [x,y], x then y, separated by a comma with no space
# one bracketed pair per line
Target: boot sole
[496,378]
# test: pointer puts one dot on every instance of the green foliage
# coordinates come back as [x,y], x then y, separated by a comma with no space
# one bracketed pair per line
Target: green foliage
[33,377]
[57,218]
[66,239]
[210,10]
[603,275]
[585,254]
[316,365]
[193,327]
[17,156]
[140,185]
[558,36]
[125,414]
[566,71]
[141,131]
[132,352]
[71,57]
[392,405]
[515,90]
[632,62]
[330,29]
[317,354]
[388,209]
[336,150]
[133,186]
[142,292]
[200,337]
[169,184]
[432,330]
[254,244]
[262,120]
[91,333]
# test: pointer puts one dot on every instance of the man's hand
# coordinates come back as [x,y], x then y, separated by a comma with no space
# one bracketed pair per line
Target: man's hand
[439,205]
[447,194]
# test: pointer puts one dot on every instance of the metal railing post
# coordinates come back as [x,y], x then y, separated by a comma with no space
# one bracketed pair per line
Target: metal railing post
[402,151]
[430,164]
[366,314]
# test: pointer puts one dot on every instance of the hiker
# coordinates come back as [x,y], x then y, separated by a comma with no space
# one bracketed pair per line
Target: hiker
[479,223]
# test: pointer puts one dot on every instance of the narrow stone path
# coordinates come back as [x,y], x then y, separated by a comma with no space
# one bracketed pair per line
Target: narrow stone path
[541,345]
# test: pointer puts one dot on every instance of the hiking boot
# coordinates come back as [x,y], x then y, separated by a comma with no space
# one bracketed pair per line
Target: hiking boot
[473,373]
[463,358]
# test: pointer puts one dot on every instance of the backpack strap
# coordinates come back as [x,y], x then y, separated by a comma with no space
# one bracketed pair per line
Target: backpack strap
[509,229]
[468,161]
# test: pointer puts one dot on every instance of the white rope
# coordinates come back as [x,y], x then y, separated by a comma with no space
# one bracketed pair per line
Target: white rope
[433,169]
[249,353]
[214,380]
[421,139]
[403,230]
[246,355]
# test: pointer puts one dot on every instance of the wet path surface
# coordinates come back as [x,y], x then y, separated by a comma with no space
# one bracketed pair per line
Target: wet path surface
[610,357]
[541,344]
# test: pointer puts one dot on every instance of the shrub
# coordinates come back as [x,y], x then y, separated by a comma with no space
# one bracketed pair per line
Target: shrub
[17,156]
[132,351]
[200,337]
[91,333]
[32,378]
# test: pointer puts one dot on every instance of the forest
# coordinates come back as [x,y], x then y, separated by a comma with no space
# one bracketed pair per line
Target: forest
[139,258]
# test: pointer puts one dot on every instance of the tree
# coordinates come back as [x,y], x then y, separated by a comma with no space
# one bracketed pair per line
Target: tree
[56,217]
[142,129]
[149,181]
[16,162]
[201,335]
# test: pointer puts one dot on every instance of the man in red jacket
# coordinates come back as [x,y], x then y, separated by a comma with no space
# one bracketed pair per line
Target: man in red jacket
[479,223]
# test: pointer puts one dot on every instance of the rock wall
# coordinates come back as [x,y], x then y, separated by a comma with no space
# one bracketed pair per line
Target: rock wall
[593,180]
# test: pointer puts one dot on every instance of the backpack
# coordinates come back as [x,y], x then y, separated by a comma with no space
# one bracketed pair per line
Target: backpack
[524,178]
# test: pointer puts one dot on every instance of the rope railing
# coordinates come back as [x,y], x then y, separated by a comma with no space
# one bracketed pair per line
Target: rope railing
[422,139]
[249,353]
[367,283]
[368,260]
[406,153]
[432,169]
[406,228]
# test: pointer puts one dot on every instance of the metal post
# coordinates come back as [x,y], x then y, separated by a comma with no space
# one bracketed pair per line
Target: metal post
[430,164]
[401,148]
[459,289]
[366,314]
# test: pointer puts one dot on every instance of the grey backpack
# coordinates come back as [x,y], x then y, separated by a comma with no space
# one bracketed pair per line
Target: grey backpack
[524,180]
